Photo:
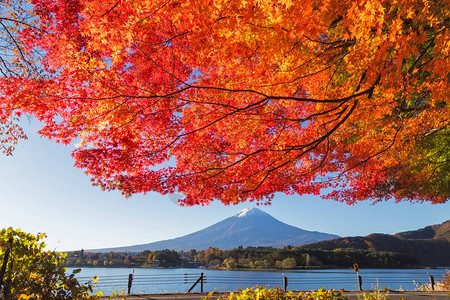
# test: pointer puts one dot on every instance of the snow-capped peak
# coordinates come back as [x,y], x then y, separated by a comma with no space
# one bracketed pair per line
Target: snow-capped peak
[248,212]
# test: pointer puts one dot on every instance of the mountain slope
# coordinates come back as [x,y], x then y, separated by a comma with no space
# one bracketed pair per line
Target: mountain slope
[432,248]
[250,227]
[439,231]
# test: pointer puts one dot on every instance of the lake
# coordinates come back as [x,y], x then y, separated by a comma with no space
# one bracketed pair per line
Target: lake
[180,280]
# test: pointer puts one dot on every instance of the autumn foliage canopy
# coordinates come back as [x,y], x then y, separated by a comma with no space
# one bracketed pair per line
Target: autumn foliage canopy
[236,100]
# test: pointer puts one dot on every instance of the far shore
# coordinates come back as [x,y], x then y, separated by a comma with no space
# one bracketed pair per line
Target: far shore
[249,269]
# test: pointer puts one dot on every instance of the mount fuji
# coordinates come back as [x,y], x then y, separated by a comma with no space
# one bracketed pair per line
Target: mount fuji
[249,227]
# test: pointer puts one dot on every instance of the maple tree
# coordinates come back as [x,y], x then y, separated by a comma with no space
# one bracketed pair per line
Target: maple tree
[13,63]
[237,100]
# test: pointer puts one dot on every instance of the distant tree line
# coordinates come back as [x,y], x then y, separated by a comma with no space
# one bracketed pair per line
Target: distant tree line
[249,258]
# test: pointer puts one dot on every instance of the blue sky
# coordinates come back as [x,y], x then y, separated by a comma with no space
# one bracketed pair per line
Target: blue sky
[41,191]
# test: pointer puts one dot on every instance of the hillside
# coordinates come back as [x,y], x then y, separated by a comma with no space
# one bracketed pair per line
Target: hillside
[430,246]
[439,231]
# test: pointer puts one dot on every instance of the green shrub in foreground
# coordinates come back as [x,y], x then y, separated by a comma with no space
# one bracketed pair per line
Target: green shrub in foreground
[31,272]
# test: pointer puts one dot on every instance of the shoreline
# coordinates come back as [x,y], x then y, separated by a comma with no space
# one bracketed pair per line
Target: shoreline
[255,270]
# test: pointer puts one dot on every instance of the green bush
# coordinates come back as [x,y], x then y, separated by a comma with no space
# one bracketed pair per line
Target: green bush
[289,263]
[31,272]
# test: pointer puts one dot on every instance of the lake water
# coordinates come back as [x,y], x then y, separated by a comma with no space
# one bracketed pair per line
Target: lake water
[180,280]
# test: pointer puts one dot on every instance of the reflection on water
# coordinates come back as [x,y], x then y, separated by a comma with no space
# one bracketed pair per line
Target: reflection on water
[180,280]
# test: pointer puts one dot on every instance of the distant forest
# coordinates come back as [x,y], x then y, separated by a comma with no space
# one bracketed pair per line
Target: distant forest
[248,258]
